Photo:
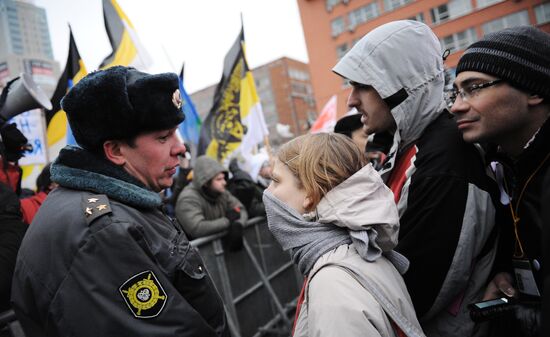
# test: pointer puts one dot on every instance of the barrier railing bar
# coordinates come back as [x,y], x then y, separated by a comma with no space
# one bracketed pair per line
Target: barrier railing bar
[226,285]
[207,239]
[266,283]
[269,325]
[256,286]
[232,323]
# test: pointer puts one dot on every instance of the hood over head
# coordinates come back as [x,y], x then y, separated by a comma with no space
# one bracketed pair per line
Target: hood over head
[395,57]
[205,169]
[362,202]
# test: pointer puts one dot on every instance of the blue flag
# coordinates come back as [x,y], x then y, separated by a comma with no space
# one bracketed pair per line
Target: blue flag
[190,127]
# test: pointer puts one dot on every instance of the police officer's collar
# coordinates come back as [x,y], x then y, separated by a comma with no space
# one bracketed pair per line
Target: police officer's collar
[80,169]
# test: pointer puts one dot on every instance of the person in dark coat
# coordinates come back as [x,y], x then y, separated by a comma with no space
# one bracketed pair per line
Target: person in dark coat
[12,230]
[12,226]
[182,179]
[242,186]
[439,181]
[101,257]
[501,97]
[352,127]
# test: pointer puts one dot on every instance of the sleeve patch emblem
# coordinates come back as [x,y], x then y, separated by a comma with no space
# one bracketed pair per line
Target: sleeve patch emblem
[144,295]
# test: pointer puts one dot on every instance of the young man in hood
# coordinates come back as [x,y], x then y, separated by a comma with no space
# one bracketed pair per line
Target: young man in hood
[101,257]
[205,207]
[446,215]
[502,98]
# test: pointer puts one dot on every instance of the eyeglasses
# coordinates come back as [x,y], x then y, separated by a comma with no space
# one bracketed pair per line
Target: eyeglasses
[468,92]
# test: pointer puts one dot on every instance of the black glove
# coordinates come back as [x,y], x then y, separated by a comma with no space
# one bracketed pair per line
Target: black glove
[15,143]
[9,203]
[233,214]
[233,241]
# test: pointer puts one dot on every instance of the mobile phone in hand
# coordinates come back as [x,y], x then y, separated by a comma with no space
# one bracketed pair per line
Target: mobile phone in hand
[486,310]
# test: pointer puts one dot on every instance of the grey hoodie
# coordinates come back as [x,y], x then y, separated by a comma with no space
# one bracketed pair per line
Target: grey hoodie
[202,213]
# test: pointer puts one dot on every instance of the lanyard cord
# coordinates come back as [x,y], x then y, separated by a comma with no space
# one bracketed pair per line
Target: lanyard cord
[518,246]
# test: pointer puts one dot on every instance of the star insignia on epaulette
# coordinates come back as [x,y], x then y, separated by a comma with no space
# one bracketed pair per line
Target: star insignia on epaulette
[101,207]
[92,200]
[144,295]
[88,211]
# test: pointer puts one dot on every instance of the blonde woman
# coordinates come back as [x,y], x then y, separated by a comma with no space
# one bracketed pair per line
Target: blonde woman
[340,223]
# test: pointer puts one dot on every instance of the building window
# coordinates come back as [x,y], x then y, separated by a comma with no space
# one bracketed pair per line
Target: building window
[485,3]
[451,10]
[329,4]
[459,41]
[299,75]
[542,13]
[393,4]
[341,50]
[512,20]
[338,26]
[418,17]
[362,15]
[440,13]
[300,88]
[459,7]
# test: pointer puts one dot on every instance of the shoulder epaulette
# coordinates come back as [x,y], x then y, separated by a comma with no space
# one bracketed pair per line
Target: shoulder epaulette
[95,206]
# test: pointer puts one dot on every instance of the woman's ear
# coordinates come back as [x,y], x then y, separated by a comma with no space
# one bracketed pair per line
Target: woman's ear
[308,204]
[113,152]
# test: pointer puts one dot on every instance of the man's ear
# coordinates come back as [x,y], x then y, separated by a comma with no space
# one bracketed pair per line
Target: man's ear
[534,99]
[113,152]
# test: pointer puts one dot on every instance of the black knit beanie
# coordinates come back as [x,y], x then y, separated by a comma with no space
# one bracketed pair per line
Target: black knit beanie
[518,55]
[120,103]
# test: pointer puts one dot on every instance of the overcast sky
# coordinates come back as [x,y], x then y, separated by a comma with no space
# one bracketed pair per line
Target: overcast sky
[197,32]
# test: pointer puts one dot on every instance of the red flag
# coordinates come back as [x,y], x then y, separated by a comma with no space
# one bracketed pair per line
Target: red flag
[327,119]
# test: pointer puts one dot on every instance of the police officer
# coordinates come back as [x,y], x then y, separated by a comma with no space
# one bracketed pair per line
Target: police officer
[101,258]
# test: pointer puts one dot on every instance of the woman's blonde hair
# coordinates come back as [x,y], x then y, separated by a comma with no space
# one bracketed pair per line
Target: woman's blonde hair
[321,162]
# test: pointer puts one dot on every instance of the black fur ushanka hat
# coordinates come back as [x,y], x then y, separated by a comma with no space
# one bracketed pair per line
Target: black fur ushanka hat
[120,103]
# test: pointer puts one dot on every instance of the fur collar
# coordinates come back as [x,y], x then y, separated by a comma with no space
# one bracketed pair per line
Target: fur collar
[80,169]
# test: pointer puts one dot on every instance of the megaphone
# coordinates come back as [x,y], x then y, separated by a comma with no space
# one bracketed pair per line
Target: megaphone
[23,95]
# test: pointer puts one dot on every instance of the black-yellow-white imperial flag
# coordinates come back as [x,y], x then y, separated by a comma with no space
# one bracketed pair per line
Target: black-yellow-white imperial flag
[236,120]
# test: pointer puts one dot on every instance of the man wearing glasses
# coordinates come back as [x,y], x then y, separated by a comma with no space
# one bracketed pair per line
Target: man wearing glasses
[501,98]
[439,182]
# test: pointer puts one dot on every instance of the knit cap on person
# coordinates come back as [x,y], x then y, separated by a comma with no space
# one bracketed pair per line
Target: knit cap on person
[518,55]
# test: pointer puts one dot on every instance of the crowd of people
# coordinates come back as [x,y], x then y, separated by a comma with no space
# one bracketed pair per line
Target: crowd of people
[421,215]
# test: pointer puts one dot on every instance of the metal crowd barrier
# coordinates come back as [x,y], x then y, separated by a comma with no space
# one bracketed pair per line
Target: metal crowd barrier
[259,284]
[9,325]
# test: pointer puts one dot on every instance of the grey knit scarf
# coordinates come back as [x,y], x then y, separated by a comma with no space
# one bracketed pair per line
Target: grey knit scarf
[308,240]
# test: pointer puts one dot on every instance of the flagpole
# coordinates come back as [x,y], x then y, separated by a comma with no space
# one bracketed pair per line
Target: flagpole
[268,148]
[168,57]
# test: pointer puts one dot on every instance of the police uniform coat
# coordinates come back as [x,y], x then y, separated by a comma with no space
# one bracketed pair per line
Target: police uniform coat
[101,258]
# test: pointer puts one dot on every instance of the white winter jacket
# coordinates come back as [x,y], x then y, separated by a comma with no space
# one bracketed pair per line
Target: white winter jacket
[335,304]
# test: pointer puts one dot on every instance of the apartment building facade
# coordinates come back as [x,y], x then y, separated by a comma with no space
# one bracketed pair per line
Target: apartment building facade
[331,28]
[25,44]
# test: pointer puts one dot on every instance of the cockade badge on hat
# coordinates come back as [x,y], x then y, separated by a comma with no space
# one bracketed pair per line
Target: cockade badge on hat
[176,99]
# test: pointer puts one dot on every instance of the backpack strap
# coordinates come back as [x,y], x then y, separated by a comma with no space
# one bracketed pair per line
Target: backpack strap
[405,327]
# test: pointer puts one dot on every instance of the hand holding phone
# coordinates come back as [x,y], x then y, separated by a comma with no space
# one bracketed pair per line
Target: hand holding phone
[486,310]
